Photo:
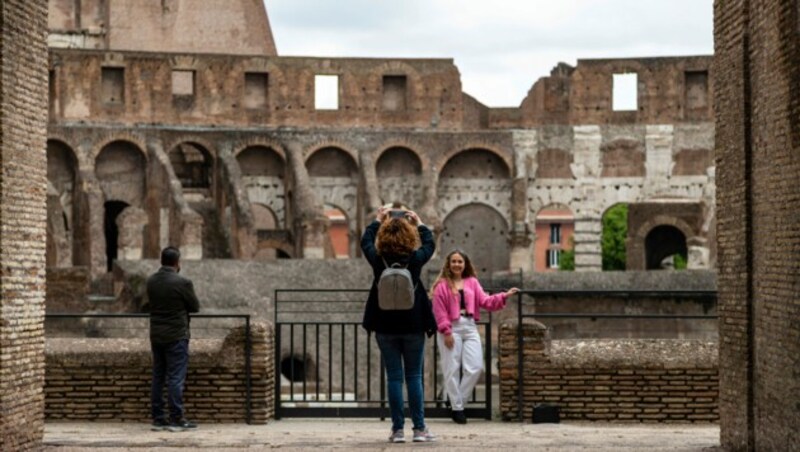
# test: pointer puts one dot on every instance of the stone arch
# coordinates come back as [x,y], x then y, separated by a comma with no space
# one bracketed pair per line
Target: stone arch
[460,152]
[259,142]
[482,232]
[662,242]
[261,160]
[126,137]
[62,169]
[554,163]
[476,163]
[692,162]
[637,243]
[398,161]
[309,152]
[623,157]
[554,229]
[332,161]
[193,164]
[120,167]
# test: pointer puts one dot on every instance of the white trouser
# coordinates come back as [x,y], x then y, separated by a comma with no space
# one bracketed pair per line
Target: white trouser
[467,352]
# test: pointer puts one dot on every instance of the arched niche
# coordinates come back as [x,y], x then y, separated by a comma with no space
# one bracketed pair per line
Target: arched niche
[482,233]
[475,164]
[193,165]
[662,242]
[120,168]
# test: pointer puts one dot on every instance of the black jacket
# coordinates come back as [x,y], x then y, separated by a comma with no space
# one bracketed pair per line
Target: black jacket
[416,320]
[171,298]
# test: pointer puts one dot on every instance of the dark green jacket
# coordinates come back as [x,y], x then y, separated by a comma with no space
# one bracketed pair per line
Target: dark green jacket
[171,298]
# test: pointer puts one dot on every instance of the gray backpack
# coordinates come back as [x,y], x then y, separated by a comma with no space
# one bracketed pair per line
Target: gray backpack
[395,288]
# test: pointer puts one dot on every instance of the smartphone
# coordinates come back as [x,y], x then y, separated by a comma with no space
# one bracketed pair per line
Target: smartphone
[397,213]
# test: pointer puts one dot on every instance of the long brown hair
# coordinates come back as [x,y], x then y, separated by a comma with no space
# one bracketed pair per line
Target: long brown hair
[446,275]
[396,236]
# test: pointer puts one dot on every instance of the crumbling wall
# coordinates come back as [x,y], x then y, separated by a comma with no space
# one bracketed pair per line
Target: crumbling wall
[109,379]
[608,380]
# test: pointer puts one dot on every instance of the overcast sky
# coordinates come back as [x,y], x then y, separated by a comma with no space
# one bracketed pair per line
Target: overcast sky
[501,47]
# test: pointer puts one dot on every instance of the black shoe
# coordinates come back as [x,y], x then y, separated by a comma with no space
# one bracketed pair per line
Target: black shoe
[458,417]
[159,425]
[182,426]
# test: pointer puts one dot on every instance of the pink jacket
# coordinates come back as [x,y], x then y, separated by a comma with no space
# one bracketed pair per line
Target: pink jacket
[447,305]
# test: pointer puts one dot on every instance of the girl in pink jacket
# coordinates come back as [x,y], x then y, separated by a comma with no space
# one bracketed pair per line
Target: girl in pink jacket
[457,300]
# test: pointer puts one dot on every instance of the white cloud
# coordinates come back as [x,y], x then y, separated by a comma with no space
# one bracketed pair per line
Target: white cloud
[501,47]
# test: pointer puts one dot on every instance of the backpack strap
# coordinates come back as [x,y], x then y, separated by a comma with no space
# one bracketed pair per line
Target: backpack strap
[396,263]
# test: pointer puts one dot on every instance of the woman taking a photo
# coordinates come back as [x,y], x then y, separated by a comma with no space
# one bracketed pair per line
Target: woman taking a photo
[457,301]
[401,332]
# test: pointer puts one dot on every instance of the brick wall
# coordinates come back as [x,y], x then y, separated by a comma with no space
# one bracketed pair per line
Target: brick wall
[23,214]
[758,139]
[109,379]
[669,381]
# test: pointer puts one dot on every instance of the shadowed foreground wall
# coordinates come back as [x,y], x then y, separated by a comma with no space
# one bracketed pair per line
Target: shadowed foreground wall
[23,216]
[758,163]
[109,379]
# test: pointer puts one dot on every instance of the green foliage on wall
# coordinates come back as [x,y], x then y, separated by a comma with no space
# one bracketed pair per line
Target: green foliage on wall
[615,229]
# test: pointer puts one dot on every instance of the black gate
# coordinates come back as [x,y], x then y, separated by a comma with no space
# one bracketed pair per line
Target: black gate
[327,365]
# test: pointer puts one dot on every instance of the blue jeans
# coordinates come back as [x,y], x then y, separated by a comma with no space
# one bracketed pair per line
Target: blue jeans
[170,363]
[404,354]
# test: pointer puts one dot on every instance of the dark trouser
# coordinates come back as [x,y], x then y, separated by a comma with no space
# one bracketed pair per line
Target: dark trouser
[403,355]
[170,363]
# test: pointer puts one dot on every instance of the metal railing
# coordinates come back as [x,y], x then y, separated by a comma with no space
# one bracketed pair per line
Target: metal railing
[332,337]
[247,341]
[705,295]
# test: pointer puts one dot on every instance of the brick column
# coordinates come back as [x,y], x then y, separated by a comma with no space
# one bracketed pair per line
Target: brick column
[535,351]
[23,221]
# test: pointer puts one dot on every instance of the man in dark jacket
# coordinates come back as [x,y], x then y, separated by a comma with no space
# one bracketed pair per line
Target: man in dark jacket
[171,298]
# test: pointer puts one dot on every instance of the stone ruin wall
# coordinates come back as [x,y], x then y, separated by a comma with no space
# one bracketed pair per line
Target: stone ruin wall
[271,163]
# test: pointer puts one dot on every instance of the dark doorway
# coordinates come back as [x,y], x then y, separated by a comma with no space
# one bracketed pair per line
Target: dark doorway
[662,242]
[293,368]
[112,211]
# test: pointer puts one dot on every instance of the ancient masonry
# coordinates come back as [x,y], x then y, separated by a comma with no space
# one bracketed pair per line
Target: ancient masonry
[758,144]
[23,115]
[238,154]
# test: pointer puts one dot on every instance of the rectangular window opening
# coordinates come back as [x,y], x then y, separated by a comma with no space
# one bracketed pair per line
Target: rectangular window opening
[625,92]
[394,92]
[256,90]
[326,92]
[182,83]
[113,85]
[553,258]
[555,234]
[696,86]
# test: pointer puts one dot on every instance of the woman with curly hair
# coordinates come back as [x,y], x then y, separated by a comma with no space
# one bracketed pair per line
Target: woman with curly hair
[401,239]
[457,301]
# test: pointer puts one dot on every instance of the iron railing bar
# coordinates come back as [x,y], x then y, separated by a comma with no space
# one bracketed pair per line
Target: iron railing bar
[355,363]
[316,344]
[330,361]
[278,328]
[369,365]
[247,370]
[291,363]
[489,380]
[305,362]
[343,363]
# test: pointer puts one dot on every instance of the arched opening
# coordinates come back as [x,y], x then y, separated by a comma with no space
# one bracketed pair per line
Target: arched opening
[665,248]
[293,368]
[482,233]
[61,201]
[112,210]
[331,162]
[261,161]
[265,224]
[338,232]
[120,168]
[475,164]
[398,162]
[193,165]
[612,241]
[554,247]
